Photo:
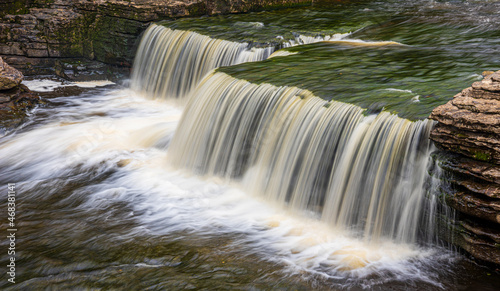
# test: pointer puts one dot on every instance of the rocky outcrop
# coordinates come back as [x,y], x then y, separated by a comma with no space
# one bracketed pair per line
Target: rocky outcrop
[470,123]
[35,32]
[468,133]
[9,77]
[15,98]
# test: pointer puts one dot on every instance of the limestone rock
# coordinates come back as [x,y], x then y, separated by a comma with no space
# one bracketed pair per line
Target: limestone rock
[465,119]
[488,189]
[9,98]
[464,166]
[491,106]
[479,238]
[15,104]
[478,145]
[468,129]
[475,225]
[470,123]
[9,77]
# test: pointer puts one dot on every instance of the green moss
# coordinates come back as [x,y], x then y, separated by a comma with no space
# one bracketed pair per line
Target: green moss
[197,9]
[482,156]
[16,8]
[281,5]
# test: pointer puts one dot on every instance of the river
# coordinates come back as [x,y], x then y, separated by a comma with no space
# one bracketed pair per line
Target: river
[291,172]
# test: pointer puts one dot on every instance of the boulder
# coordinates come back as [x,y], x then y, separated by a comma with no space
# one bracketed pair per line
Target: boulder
[15,98]
[9,77]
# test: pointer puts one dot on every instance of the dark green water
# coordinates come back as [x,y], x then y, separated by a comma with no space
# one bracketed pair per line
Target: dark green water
[445,47]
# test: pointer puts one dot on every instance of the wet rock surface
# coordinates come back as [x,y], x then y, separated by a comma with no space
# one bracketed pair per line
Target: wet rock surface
[15,99]
[478,239]
[82,70]
[468,132]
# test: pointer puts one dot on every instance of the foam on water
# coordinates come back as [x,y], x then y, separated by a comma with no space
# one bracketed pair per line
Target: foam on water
[414,98]
[360,42]
[44,85]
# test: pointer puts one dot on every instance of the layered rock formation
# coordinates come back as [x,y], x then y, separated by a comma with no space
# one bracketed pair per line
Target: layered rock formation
[35,32]
[468,131]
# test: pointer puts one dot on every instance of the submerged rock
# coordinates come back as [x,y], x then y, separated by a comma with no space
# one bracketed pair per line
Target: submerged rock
[9,77]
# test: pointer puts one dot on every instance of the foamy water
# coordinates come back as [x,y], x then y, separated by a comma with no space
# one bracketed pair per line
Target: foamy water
[43,85]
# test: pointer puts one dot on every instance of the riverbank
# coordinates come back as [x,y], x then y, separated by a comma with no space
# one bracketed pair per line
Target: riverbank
[36,34]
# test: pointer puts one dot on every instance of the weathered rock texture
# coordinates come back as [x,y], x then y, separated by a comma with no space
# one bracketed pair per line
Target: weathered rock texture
[9,77]
[468,130]
[470,123]
[35,32]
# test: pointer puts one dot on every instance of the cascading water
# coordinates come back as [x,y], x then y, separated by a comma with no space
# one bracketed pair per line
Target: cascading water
[297,149]
[170,63]
[379,183]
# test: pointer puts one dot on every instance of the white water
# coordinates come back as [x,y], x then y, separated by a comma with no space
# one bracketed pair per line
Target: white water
[295,149]
[42,85]
[170,63]
[117,130]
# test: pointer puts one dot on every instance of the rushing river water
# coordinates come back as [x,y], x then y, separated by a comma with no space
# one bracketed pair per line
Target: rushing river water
[219,184]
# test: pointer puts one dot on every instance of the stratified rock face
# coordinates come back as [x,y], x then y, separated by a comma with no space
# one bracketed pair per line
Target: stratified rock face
[9,77]
[468,131]
[476,200]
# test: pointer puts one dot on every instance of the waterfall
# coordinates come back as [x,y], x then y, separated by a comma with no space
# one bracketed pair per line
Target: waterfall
[170,63]
[291,147]
[378,184]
